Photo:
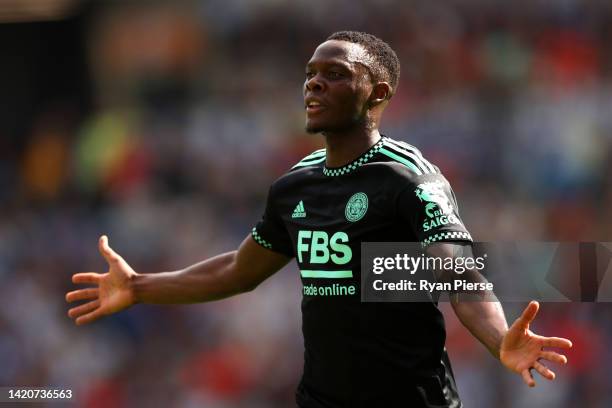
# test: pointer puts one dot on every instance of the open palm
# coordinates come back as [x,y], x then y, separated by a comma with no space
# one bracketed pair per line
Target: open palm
[112,291]
[521,349]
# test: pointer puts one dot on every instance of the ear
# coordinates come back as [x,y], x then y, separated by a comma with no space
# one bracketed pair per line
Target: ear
[380,93]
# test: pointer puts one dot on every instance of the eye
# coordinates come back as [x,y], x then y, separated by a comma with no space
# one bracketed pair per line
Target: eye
[309,74]
[335,74]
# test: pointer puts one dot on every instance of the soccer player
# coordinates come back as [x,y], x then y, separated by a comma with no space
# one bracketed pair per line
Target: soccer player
[363,187]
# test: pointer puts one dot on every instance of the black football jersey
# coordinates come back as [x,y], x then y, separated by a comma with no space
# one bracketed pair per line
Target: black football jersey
[361,354]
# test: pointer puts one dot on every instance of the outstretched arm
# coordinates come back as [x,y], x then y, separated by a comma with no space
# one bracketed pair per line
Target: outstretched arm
[517,347]
[218,277]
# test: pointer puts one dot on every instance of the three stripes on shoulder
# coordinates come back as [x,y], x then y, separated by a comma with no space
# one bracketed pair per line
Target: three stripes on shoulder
[400,152]
[408,155]
[313,158]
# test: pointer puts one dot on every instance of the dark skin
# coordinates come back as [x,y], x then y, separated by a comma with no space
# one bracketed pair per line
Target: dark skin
[351,102]
[345,103]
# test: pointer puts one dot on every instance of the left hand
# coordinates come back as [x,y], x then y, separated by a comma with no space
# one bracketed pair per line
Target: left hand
[521,349]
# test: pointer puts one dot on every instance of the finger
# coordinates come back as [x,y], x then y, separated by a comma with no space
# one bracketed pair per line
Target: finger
[558,342]
[82,309]
[86,277]
[82,294]
[89,317]
[106,251]
[529,314]
[544,371]
[554,357]
[528,378]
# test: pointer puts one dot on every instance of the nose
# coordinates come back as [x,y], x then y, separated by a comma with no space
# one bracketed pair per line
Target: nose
[314,84]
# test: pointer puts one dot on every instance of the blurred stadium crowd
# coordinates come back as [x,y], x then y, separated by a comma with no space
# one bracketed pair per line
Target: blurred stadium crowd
[191,111]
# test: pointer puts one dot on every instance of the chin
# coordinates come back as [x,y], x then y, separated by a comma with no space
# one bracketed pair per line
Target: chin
[313,128]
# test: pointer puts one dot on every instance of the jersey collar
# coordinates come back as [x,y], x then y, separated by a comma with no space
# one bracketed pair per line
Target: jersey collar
[355,164]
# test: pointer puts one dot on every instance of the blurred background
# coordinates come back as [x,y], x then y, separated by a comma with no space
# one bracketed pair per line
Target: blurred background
[162,124]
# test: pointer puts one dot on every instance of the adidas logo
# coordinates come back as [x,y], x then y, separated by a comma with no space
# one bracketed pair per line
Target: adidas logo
[299,211]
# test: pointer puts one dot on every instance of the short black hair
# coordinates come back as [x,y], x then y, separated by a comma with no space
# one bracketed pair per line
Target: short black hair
[386,64]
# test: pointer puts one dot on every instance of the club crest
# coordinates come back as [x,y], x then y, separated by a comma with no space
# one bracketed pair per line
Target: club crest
[356,207]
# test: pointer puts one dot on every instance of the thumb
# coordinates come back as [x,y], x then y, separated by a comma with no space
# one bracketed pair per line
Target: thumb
[106,251]
[529,314]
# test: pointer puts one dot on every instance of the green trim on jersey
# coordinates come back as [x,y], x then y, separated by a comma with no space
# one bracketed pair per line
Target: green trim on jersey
[326,274]
[260,240]
[355,164]
[401,160]
[309,163]
[398,151]
[316,153]
[409,156]
[313,158]
[450,235]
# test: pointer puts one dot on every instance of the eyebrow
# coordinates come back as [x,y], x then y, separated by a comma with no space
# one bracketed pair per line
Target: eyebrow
[332,64]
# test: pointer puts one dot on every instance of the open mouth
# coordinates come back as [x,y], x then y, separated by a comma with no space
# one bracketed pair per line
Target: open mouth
[314,107]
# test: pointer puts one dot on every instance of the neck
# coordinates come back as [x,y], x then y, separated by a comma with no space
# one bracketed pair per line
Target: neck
[343,148]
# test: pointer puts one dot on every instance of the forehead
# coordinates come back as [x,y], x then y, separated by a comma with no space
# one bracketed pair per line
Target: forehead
[341,52]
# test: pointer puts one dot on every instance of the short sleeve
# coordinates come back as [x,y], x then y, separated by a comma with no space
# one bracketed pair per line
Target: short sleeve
[428,204]
[270,232]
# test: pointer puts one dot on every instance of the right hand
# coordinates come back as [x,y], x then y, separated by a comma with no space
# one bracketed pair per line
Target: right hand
[112,291]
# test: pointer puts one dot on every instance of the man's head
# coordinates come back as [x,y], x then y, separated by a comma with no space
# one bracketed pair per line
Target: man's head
[349,80]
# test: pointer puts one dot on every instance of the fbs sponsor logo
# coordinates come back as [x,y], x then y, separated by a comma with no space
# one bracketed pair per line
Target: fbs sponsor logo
[322,248]
[356,207]
[438,207]
[299,211]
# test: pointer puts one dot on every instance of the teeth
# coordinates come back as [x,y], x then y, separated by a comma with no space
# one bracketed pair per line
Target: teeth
[314,103]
